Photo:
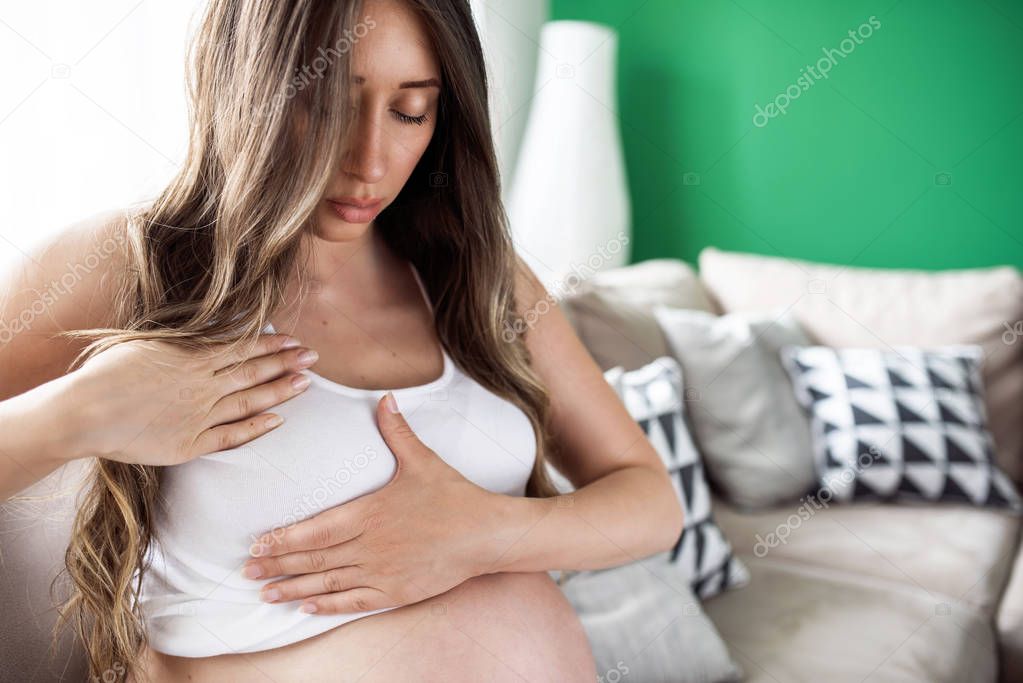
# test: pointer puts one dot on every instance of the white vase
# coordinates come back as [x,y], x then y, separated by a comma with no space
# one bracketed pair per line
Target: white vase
[569,204]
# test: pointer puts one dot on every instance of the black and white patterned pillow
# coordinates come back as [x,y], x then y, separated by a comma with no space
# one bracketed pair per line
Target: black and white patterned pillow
[653,396]
[900,424]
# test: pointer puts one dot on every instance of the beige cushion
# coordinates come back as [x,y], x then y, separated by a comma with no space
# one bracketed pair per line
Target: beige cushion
[949,551]
[804,624]
[35,527]
[1009,622]
[843,306]
[611,311]
[748,426]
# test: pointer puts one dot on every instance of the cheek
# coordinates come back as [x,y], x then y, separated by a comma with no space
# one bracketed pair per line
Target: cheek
[410,150]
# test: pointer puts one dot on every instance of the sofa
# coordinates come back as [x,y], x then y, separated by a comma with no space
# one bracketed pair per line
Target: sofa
[860,591]
[857,592]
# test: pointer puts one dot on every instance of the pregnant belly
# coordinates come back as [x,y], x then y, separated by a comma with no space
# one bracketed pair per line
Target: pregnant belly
[496,627]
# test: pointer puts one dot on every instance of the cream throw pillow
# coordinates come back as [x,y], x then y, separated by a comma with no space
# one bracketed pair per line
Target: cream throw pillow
[611,311]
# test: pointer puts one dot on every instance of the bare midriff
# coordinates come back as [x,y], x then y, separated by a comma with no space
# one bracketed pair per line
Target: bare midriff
[495,627]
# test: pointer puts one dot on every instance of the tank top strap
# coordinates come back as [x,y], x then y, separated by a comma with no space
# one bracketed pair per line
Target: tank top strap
[422,287]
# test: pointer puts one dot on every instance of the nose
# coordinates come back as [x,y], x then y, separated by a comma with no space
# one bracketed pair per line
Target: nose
[364,157]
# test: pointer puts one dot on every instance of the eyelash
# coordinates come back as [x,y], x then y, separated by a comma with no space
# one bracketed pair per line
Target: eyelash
[405,118]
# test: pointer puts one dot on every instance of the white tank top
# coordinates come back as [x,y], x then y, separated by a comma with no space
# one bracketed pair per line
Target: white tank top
[194,599]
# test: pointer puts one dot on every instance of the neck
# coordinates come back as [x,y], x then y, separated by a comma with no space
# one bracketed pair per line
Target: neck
[344,270]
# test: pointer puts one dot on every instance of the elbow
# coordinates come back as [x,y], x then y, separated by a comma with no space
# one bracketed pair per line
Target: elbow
[670,516]
[678,522]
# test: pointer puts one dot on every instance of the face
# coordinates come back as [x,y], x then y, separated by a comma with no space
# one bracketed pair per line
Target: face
[396,115]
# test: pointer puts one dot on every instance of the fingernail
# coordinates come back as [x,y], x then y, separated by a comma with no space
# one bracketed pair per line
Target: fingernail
[300,381]
[308,608]
[308,357]
[257,549]
[392,404]
[252,571]
[271,595]
[290,343]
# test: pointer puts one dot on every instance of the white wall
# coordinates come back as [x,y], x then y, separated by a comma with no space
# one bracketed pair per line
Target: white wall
[92,109]
[510,31]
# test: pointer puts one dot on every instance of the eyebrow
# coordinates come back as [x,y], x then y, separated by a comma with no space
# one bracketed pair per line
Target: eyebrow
[426,83]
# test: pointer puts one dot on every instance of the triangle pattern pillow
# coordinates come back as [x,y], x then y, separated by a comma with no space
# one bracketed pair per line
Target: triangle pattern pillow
[899,424]
[653,395]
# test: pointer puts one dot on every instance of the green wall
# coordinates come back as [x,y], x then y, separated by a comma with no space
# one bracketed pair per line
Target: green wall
[907,155]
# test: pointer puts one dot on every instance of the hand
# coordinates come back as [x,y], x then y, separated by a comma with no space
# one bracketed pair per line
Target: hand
[157,403]
[420,535]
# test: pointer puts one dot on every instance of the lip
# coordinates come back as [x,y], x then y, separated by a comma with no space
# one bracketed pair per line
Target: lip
[359,202]
[358,211]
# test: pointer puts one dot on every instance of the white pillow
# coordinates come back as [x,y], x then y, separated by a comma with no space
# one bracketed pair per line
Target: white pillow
[900,424]
[754,438]
[653,396]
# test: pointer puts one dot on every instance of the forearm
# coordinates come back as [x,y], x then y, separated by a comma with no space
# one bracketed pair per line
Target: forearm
[36,436]
[622,517]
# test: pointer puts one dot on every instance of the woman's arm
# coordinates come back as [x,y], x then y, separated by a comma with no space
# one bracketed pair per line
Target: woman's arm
[63,283]
[115,405]
[619,518]
[40,435]
[624,506]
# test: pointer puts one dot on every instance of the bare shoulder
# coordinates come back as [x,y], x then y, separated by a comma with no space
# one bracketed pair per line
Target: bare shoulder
[529,290]
[595,432]
[66,282]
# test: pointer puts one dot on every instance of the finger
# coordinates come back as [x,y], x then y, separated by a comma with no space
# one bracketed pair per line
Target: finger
[392,421]
[362,599]
[328,528]
[248,402]
[263,369]
[396,432]
[225,437]
[305,562]
[298,587]
[228,354]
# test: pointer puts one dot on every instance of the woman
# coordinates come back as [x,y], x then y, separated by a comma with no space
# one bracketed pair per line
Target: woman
[428,555]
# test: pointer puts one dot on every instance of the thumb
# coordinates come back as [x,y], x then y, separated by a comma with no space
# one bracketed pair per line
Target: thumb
[395,430]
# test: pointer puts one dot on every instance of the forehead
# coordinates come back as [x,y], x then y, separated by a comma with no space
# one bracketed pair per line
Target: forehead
[397,48]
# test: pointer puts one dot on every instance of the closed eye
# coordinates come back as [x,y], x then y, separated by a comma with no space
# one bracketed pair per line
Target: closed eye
[405,118]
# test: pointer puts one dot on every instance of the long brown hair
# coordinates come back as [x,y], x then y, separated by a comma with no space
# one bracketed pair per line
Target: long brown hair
[210,257]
